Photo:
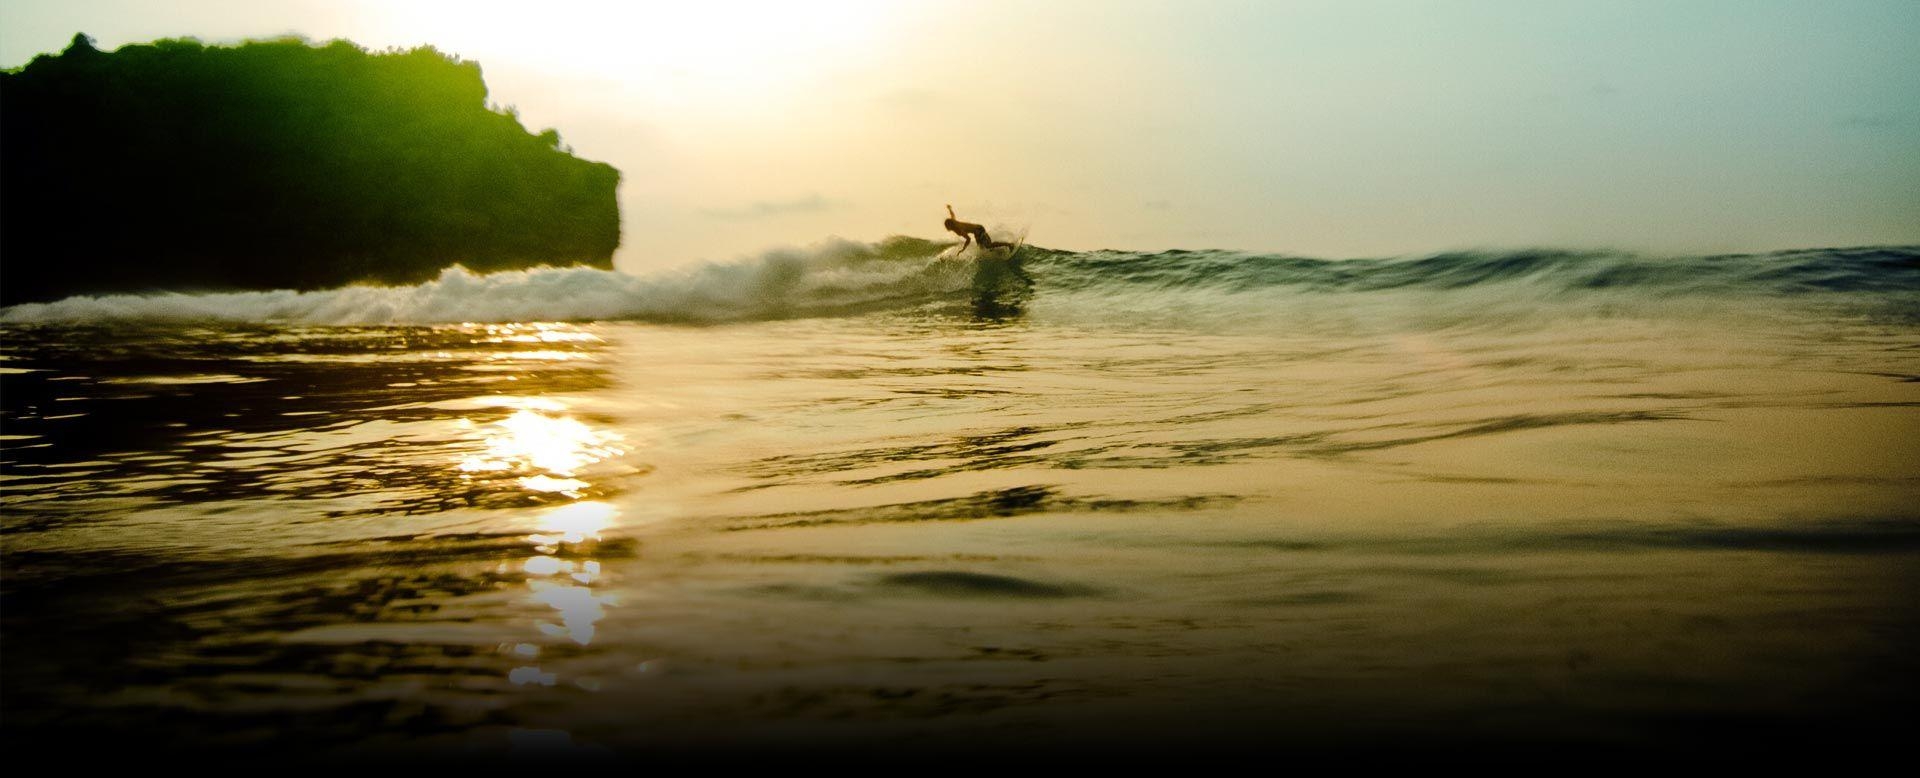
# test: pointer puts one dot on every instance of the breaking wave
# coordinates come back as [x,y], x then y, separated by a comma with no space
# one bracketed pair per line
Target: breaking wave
[835,277]
[841,277]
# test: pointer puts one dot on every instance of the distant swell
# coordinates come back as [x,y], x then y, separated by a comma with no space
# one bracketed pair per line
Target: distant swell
[840,277]
[1895,268]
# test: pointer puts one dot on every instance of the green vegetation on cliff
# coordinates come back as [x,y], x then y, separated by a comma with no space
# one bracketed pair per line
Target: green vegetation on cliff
[277,164]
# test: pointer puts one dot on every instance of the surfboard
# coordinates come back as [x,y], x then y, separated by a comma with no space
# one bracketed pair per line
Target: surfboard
[979,252]
[1000,287]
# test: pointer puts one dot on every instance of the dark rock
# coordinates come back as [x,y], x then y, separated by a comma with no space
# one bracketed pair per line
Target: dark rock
[277,164]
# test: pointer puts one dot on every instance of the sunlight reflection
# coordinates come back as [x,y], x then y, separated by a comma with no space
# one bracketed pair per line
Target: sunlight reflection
[557,444]
[584,572]
[567,486]
[518,403]
[546,565]
[523,676]
[574,523]
[566,585]
[540,356]
[538,333]
[538,437]
[553,453]
[579,606]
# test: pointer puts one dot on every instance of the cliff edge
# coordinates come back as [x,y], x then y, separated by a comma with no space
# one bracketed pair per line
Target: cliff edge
[275,165]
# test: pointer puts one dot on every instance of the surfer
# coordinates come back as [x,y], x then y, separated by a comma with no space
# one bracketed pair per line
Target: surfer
[970,231]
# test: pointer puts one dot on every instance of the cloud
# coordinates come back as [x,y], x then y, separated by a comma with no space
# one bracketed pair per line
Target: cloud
[766,209]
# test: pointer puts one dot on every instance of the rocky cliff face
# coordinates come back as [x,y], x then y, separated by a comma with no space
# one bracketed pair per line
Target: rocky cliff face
[277,164]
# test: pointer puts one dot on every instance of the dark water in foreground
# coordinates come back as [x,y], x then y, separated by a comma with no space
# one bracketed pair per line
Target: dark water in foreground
[820,500]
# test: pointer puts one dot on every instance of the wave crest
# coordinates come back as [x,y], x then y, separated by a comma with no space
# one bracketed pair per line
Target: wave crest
[834,277]
[843,277]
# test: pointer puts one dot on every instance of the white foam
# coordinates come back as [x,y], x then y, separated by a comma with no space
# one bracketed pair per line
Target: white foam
[835,275]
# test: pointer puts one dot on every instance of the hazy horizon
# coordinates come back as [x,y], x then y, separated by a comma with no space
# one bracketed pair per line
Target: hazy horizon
[1321,129]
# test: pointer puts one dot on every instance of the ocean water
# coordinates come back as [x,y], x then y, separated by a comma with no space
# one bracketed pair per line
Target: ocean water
[879,497]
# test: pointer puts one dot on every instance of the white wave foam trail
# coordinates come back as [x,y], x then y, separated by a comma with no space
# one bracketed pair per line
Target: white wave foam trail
[835,276]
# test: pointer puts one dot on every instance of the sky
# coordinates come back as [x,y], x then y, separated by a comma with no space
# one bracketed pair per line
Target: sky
[1329,129]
